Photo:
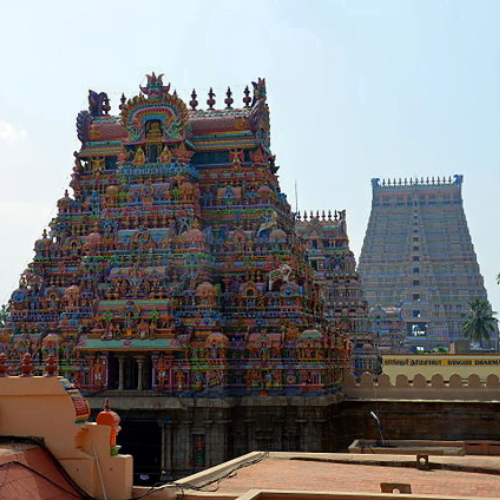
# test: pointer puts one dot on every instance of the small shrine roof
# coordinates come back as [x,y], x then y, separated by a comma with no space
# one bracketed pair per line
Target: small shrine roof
[104,148]
[106,130]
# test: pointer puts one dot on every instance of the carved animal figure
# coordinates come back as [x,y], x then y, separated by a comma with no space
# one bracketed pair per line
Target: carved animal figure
[98,103]
[281,274]
[271,223]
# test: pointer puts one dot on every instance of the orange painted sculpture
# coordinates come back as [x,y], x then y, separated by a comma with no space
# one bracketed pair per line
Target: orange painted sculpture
[112,419]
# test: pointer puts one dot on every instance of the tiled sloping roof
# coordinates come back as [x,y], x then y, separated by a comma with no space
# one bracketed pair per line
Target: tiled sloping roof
[107,130]
[236,121]
[28,472]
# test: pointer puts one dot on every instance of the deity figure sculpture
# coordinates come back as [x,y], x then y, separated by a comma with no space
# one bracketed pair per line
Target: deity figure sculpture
[143,329]
[162,377]
[140,157]
[130,324]
[98,372]
[268,379]
[165,155]
[179,379]
[153,132]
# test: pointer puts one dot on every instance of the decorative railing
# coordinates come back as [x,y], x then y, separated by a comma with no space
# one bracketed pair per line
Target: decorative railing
[337,216]
[415,181]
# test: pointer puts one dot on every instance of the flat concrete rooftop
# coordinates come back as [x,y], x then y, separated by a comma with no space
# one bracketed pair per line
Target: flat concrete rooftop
[452,477]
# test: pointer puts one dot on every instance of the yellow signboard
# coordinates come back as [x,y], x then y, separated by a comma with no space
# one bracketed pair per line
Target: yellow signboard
[444,364]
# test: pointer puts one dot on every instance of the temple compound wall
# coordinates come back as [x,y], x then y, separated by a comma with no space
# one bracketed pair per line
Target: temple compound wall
[419,407]
[418,256]
[415,420]
[422,387]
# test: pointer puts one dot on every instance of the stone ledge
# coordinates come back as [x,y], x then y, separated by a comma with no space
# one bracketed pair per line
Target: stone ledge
[146,400]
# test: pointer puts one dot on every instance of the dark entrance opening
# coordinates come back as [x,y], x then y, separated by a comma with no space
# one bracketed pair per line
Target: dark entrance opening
[142,439]
[130,373]
[147,373]
[112,372]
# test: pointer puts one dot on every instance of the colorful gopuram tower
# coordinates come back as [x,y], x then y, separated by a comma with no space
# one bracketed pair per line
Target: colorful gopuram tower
[389,329]
[418,256]
[175,267]
[327,244]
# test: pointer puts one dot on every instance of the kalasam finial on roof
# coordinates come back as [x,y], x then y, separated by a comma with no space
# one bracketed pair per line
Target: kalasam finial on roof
[154,86]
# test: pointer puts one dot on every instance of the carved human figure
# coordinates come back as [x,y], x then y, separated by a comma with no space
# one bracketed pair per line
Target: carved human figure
[162,377]
[143,329]
[213,351]
[140,157]
[268,379]
[165,155]
[129,324]
[264,352]
[179,379]
[98,371]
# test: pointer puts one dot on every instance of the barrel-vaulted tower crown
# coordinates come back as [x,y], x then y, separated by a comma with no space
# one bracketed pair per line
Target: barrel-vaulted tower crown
[157,113]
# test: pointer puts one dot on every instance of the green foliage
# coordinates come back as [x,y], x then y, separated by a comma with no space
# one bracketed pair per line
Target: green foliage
[440,350]
[480,322]
[3,315]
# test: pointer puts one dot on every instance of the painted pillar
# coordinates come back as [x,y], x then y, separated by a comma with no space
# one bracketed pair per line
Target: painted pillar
[121,363]
[208,444]
[166,448]
[140,372]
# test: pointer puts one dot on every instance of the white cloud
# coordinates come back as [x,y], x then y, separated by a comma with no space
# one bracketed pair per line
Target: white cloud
[9,133]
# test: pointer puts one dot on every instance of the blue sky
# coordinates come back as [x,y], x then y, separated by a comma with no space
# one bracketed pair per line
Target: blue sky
[357,89]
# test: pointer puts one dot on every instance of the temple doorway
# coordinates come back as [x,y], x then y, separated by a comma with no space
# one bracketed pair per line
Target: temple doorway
[142,439]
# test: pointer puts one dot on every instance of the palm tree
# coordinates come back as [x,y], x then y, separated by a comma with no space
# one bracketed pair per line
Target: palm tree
[480,322]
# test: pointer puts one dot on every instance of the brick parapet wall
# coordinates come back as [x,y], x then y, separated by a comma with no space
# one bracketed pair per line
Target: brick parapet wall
[419,388]
[410,420]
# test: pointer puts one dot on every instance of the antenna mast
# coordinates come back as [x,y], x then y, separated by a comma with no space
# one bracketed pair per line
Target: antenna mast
[296,199]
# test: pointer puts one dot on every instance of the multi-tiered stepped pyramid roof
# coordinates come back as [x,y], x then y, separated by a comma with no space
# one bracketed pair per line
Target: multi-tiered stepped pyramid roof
[174,266]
